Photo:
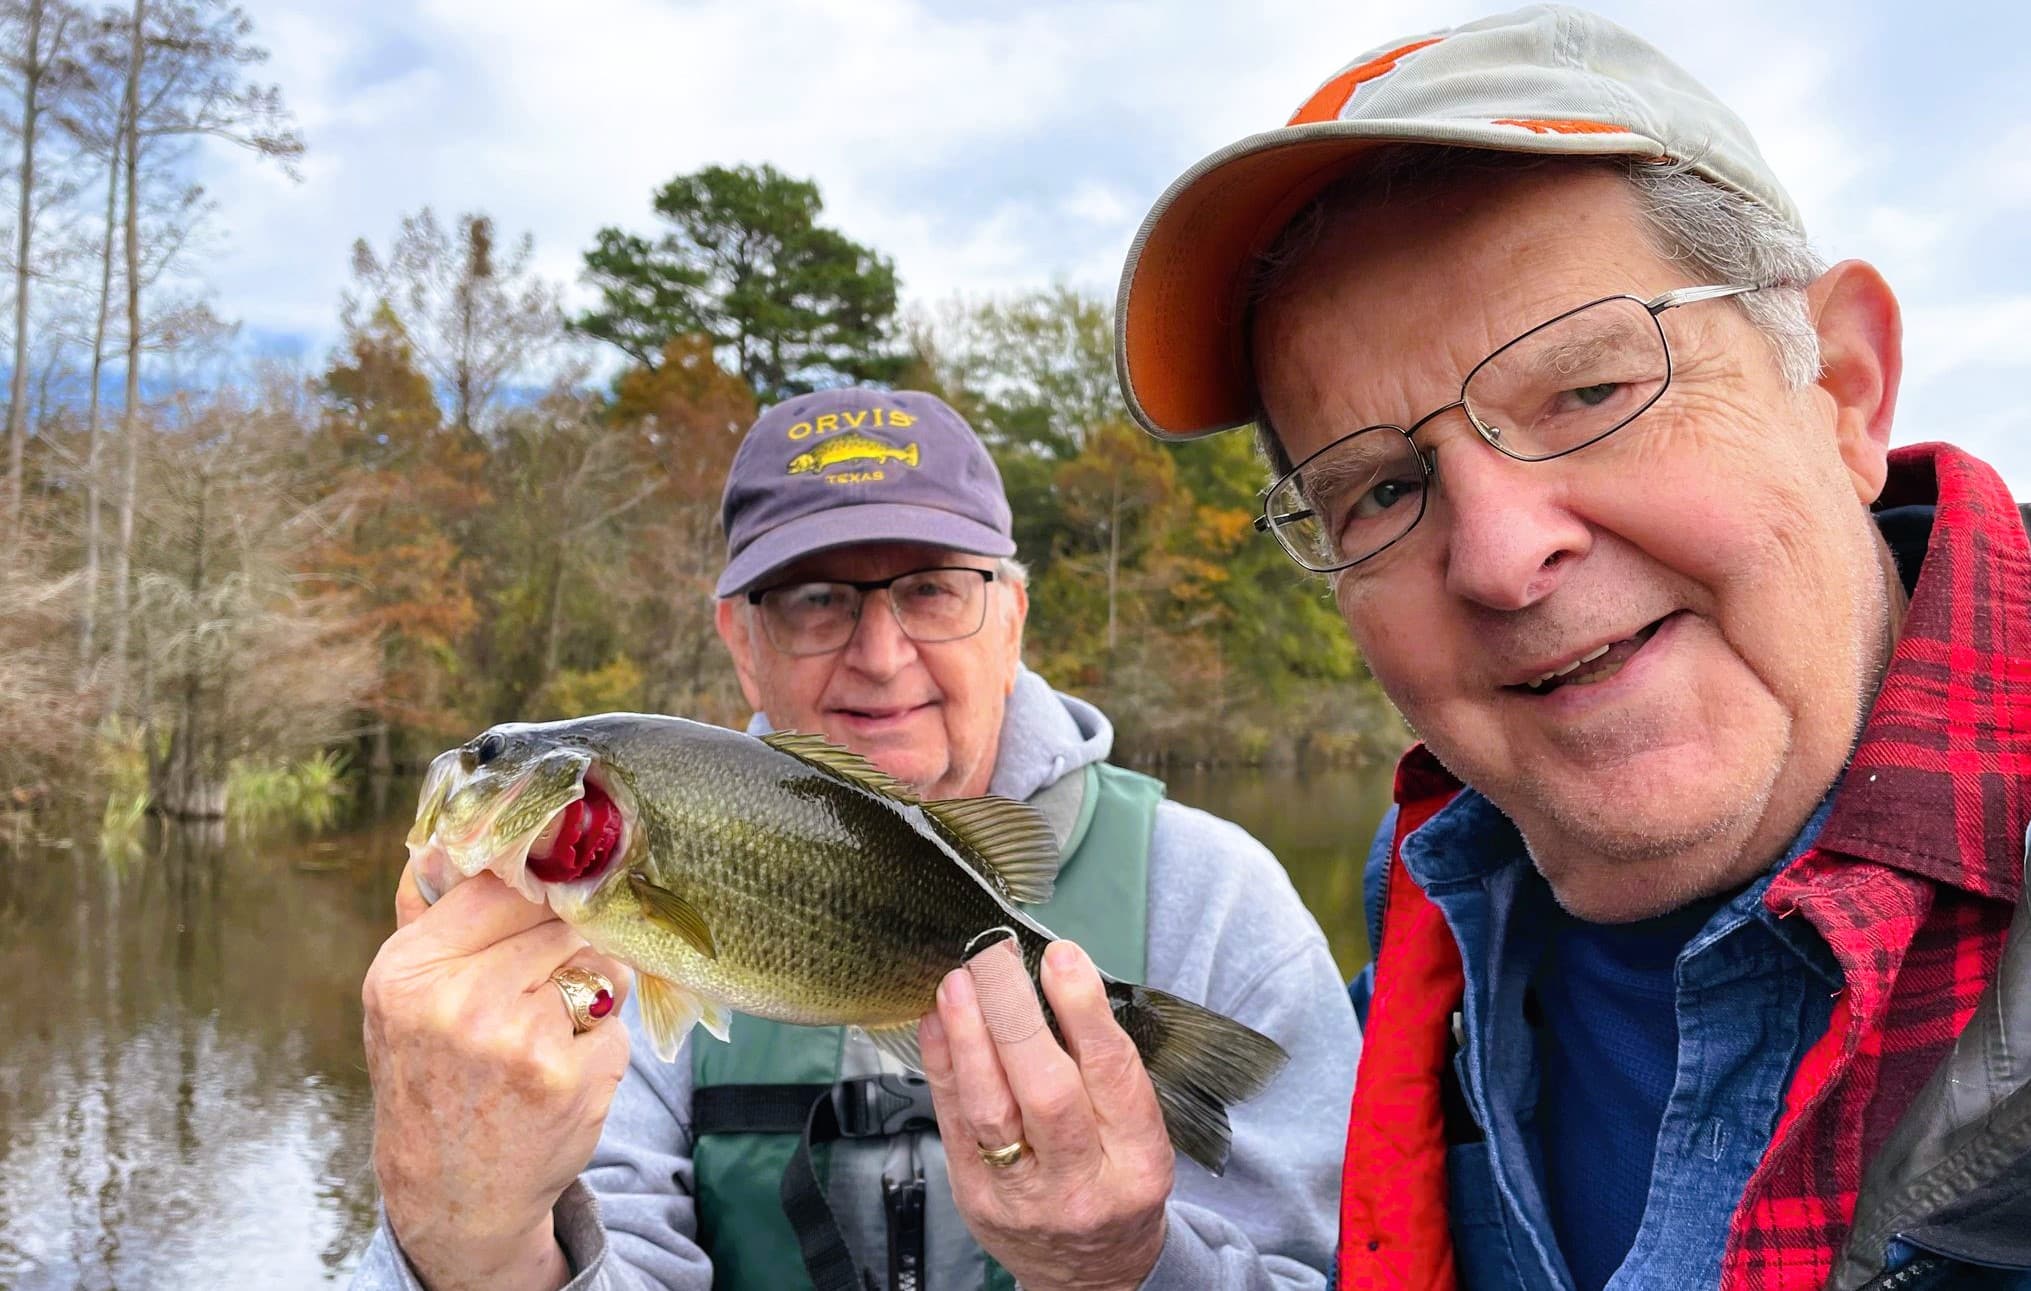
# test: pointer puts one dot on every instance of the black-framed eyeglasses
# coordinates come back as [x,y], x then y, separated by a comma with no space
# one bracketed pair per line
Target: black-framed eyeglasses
[942,603]
[1564,384]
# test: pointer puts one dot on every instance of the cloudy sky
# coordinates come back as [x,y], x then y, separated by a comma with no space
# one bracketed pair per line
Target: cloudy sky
[993,147]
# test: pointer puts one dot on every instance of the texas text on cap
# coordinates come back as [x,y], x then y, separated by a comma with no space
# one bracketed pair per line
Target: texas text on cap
[1548,79]
[843,467]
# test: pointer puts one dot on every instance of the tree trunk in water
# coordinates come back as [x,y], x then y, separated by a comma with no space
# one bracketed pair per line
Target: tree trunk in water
[89,628]
[193,784]
[17,401]
[381,761]
[130,422]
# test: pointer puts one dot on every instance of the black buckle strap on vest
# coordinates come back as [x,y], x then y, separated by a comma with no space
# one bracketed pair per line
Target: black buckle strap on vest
[870,1107]
[864,1107]
[860,1108]
[753,1109]
[819,1238]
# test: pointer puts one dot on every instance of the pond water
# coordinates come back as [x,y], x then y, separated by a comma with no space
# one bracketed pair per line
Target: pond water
[183,1101]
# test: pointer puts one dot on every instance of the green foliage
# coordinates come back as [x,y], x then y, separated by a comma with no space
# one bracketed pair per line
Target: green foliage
[309,792]
[792,304]
[1150,592]
[613,688]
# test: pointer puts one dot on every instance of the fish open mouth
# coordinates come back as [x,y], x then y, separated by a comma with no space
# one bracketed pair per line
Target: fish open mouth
[580,841]
[1598,666]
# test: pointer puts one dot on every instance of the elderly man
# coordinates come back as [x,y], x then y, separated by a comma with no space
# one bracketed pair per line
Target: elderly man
[1696,957]
[871,594]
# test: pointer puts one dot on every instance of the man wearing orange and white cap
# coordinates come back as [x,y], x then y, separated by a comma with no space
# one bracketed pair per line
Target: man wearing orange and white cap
[1696,954]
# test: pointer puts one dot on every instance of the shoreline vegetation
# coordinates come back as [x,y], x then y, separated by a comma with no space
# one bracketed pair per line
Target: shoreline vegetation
[233,586]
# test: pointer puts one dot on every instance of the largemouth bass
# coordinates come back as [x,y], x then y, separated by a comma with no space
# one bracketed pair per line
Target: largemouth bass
[791,879]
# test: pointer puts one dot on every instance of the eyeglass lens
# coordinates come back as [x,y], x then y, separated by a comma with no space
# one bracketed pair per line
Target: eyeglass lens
[930,605]
[1556,388]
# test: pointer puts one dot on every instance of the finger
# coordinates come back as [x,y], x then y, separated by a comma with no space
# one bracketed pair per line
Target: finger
[527,959]
[1056,1115]
[409,902]
[1111,1069]
[548,998]
[987,1111]
[479,913]
[970,1175]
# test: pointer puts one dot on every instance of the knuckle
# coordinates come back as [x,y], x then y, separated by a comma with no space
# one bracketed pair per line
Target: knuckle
[993,1119]
[1112,1060]
[1057,1101]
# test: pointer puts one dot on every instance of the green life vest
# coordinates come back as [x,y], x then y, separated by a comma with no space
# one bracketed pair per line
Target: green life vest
[1101,901]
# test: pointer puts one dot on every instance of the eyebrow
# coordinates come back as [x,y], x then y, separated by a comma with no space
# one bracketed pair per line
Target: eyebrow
[1568,356]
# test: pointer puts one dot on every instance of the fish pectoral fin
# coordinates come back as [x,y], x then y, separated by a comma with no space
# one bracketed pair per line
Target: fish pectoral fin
[673,913]
[669,1010]
[839,763]
[900,1043]
[1008,842]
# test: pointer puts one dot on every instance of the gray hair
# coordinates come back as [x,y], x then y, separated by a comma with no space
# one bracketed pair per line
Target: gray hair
[1718,234]
[1009,569]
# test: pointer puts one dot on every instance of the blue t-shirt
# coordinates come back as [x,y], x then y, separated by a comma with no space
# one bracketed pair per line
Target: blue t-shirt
[1608,1053]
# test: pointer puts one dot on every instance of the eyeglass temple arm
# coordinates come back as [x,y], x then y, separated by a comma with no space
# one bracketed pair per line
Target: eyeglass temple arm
[1693,295]
[1263,522]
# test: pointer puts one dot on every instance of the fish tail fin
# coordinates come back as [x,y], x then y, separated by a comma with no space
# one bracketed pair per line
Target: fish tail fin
[910,455]
[1200,1062]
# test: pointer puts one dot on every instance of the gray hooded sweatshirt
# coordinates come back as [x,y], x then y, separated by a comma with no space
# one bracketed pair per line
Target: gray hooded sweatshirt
[1225,928]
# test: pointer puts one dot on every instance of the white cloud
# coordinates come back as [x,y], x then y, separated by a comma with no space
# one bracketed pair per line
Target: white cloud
[992,150]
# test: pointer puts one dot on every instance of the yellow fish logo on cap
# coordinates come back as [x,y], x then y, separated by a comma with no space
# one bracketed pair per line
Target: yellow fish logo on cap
[851,448]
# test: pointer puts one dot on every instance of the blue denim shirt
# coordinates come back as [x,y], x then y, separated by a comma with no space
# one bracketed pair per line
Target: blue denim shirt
[1753,993]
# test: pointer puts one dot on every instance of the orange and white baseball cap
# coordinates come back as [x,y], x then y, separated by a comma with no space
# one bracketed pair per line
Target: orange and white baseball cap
[1548,79]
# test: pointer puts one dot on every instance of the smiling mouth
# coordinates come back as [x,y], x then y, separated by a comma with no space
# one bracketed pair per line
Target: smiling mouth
[1596,667]
[880,714]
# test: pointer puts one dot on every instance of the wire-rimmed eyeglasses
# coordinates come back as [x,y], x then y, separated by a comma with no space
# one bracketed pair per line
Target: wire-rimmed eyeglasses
[1569,382]
[811,617]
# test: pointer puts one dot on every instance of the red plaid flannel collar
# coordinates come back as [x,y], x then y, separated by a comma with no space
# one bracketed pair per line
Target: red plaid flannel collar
[1950,731]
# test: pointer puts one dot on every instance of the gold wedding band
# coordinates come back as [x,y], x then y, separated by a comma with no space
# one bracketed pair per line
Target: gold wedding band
[588,996]
[1002,1158]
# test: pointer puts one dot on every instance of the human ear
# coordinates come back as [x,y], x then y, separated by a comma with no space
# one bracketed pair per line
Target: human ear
[1019,614]
[1861,344]
[733,630]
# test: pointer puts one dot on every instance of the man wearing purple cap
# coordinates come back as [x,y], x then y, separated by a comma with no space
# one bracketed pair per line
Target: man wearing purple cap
[1703,940]
[871,594]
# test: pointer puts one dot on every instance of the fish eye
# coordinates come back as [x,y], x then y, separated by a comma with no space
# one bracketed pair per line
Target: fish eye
[491,746]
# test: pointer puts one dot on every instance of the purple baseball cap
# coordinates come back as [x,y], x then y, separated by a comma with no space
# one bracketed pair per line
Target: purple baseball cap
[838,468]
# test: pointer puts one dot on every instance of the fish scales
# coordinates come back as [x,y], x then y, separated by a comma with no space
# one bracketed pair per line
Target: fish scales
[830,905]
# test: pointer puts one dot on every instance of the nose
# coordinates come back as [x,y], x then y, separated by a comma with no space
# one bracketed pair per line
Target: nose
[1512,537]
[878,648]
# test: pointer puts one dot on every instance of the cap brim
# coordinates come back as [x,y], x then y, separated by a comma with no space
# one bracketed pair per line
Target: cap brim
[1181,348]
[850,526]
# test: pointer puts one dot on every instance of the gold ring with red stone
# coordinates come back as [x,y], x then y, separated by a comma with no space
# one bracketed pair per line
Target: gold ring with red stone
[588,996]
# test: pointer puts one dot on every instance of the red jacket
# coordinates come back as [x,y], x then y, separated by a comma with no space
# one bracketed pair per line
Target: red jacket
[1911,884]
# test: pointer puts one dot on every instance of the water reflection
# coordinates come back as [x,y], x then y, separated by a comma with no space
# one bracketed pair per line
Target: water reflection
[182,1096]
[1319,825]
[182,1100]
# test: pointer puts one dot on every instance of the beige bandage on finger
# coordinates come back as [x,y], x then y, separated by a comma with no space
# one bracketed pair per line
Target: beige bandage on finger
[1008,1001]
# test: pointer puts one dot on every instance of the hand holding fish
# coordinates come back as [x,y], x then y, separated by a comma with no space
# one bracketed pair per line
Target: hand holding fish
[486,1104]
[1082,1206]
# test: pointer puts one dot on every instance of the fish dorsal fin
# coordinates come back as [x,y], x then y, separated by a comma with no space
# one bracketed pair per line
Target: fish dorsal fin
[1008,842]
[839,763]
